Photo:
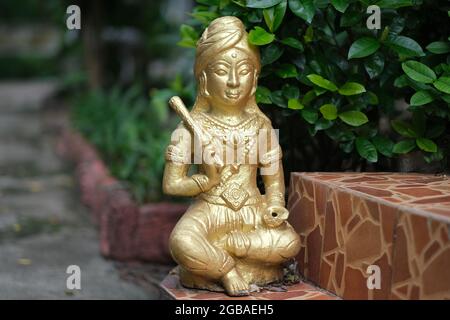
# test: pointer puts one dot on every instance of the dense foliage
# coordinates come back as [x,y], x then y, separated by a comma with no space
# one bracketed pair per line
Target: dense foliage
[340,85]
[129,127]
[130,133]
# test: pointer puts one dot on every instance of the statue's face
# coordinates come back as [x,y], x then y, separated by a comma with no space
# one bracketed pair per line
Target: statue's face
[230,78]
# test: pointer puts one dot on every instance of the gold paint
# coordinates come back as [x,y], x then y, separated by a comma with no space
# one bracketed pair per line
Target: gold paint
[231,236]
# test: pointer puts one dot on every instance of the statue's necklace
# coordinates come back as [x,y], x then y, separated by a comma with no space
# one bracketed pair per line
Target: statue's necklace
[242,135]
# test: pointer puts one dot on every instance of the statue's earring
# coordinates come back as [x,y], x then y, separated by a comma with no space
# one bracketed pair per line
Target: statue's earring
[255,84]
[202,79]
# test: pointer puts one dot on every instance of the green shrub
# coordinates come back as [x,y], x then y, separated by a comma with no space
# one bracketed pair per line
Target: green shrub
[130,133]
[338,81]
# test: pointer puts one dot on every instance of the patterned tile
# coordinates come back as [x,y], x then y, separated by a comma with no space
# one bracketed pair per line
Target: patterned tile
[349,221]
[421,266]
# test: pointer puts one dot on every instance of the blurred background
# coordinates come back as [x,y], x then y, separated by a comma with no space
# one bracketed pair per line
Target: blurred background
[111,81]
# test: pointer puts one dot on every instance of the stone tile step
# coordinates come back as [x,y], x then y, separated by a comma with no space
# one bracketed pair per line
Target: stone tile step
[28,159]
[353,223]
[35,268]
[36,184]
[173,290]
[16,126]
[25,96]
[30,205]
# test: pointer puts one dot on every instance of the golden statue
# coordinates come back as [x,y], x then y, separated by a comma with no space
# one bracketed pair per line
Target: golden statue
[231,236]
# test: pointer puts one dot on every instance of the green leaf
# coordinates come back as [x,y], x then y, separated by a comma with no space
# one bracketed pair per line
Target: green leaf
[189,37]
[366,149]
[287,70]
[347,147]
[354,118]
[443,84]
[262,4]
[394,4]
[263,95]
[274,16]
[323,124]
[351,88]
[404,46]
[255,17]
[373,98]
[319,91]
[420,98]
[308,97]
[351,17]
[259,37]
[270,54]
[329,111]
[205,17]
[401,81]
[446,98]
[309,34]
[418,71]
[403,128]
[383,145]
[340,134]
[435,156]
[294,43]
[404,146]
[340,5]
[322,82]
[310,115]
[374,65]
[304,9]
[295,104]
[278,98]
[426,144]
[439,47]
[363,47]
[291,92]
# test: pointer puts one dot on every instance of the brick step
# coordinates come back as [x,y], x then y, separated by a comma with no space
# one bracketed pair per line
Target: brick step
[350,221]
[172,290]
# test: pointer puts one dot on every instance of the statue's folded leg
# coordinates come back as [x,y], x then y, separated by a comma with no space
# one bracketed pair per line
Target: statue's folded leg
[271,245]
[192,250]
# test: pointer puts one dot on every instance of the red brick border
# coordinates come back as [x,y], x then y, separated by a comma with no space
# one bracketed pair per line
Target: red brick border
[128,231]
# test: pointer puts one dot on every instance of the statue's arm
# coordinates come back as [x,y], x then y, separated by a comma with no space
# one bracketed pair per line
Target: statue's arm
[177,183]
[178,161]
[271,169]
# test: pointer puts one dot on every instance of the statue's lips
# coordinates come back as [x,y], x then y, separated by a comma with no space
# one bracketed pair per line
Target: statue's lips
[233,94]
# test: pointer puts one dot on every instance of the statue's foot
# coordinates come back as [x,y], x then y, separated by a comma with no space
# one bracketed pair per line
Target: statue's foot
[234,284]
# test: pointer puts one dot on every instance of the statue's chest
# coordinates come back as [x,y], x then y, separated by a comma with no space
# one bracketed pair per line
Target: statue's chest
[237,144]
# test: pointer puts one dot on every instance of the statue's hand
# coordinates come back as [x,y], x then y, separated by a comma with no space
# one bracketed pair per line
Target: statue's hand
[275,216]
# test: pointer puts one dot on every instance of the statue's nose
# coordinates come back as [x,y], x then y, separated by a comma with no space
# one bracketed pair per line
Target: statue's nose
[233,79]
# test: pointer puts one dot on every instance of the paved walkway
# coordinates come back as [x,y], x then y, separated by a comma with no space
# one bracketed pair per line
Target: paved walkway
[43,227]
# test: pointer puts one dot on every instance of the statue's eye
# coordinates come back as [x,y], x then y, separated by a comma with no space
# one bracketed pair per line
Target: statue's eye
[244,72]
[220,72]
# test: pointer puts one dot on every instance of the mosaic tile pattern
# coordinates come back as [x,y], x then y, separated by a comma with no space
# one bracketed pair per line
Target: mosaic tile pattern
[302,291]
[399,222]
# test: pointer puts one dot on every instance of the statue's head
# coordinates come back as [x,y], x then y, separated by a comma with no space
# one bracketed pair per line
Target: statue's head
[226,66]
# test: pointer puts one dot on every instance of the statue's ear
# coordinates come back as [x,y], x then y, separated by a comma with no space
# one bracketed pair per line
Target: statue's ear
[255,83]
[202,85]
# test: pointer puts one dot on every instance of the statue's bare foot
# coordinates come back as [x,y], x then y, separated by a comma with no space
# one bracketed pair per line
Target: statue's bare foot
[234,284]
